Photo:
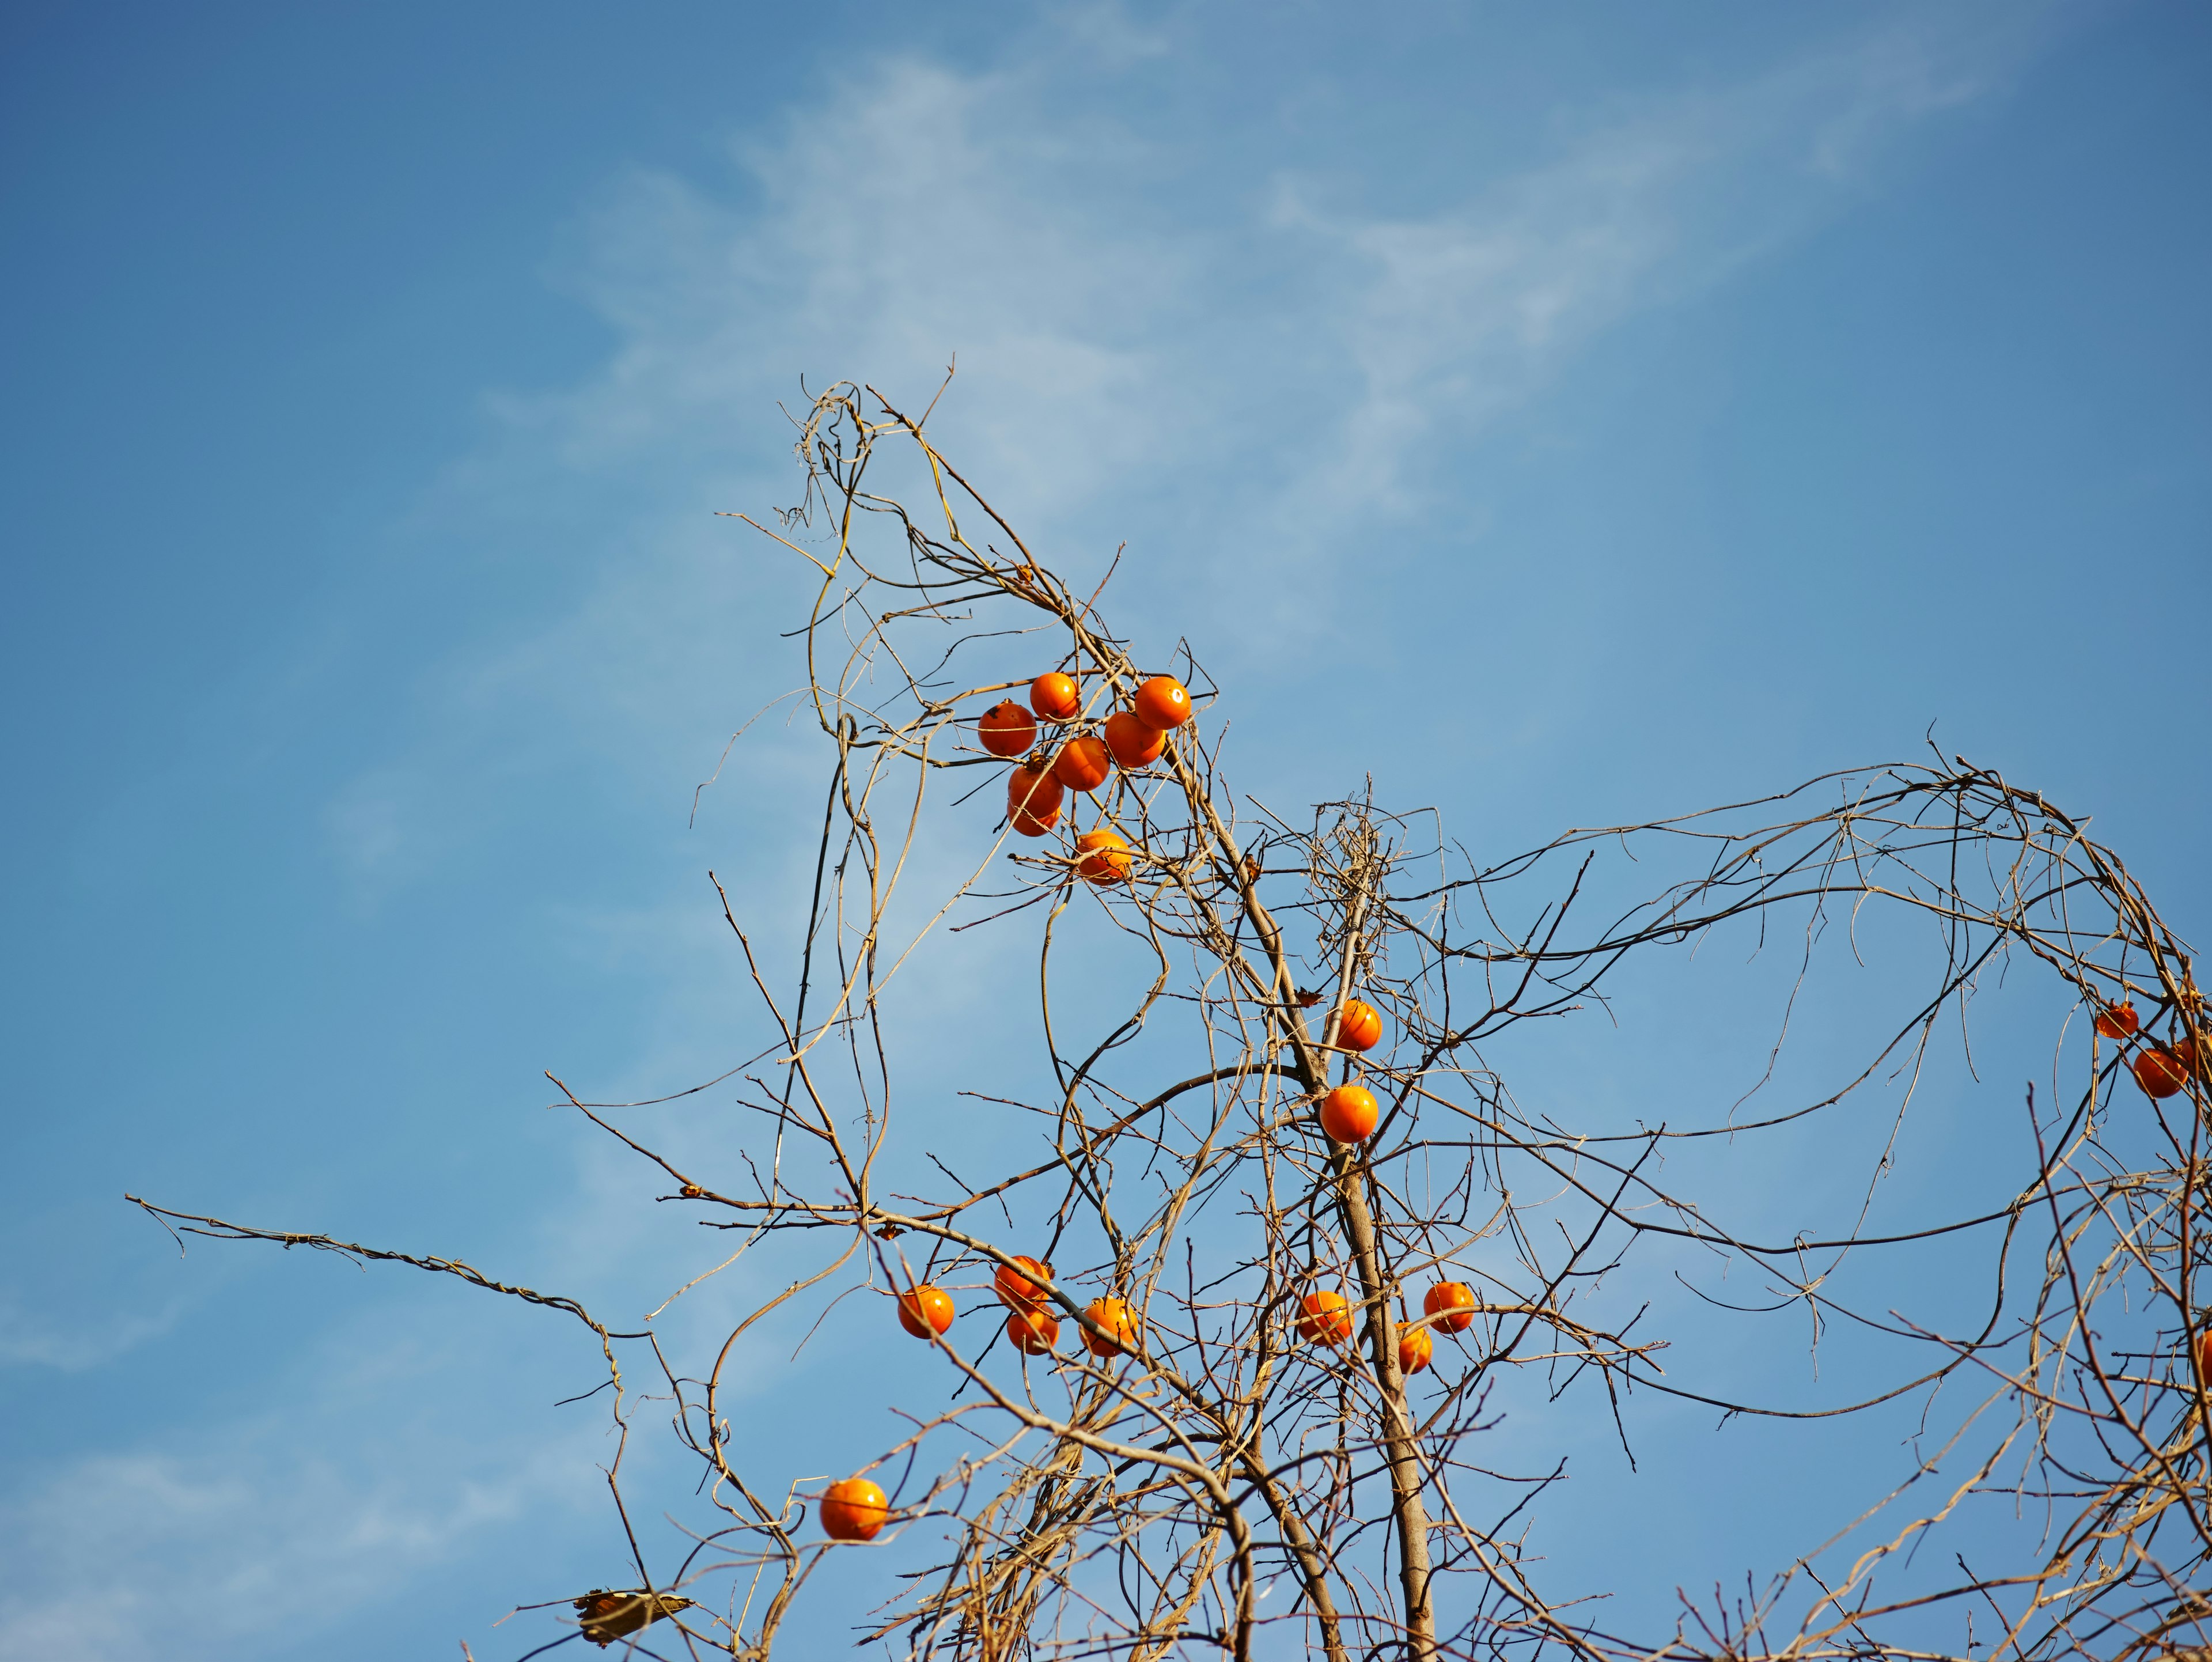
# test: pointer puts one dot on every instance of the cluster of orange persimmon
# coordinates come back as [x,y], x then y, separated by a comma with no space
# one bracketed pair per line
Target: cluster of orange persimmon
[855,1509]
[1082,760]
[2161,1069]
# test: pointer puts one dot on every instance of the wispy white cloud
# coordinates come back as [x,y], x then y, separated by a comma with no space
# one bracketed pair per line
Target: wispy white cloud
[279,1522]
[1457,317]
[1235,362]
[26,1341]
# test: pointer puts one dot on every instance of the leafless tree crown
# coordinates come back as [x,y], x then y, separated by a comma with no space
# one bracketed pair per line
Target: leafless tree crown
[1208,1475]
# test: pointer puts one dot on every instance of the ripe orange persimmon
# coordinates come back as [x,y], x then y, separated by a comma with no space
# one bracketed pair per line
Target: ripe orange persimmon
[854,1510]
[1103,856]
[2161,1071]
[2205,1356]
[1328,1318]
[1113,1315]
[1017,1290]
[1032,789]
[1161,703]
[1033,798]
[924,1310]
[1415,1346]
[1055,696]
[1349,1112]
[1454,1296]
[2117,1020]
[1133,743]
[1359,1026]
[1084,764]
[1035,1332]
[1006,728]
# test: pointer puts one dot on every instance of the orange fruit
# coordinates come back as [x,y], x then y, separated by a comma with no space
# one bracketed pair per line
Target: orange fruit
[1349,1112]
[854,1510]
[1162,703]
[1006,728]
[1359,1026]
[1133,743]
[925,1310]
[2159,1071]
[1113,1315]
[1033,1331]
[1033,798]
[1055,696]
[1017,1290]
[1103,856]
[1456,1296]
[1415,1346]
[2117,1020]
[1327,1320]
[1084,764]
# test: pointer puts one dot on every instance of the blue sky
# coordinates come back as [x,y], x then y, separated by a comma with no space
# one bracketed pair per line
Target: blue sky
[1567,415]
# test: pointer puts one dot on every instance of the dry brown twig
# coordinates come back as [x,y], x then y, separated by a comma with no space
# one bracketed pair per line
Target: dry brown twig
[1142,1503]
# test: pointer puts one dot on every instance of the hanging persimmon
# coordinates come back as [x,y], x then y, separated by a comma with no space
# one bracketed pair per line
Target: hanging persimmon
[2161,1071]
[1452,1305]
[1084,763]
[2117,1020]
[1055,696]
[1115,1316]
[2205,1355]
[1017,1290]
[1348,1114]
[1162,703]
[1359,1025]
[925,1310]
[1103,856]
[1133,743]
[1415,1348]
[1032,789]
[1035,1332]
[1033,798]
[1006,728]
[854,1510]
[1327,1320]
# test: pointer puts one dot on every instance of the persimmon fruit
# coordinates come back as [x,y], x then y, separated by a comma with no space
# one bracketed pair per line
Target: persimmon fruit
[1103,856]
[1035,1332]
[2161,1071]
[1359,1025]
[2117,1020]
[925,1310]
[1032,789]
[1033,799]
[854,1510]
[1348,1114]
[1415,1348]
[1006,728]
[2205,1355]
[1113,1316]
[1017,1290]
[1162,703]
[1327,1320]
[1456,1297]
[1084,763]
[1055,696]
[1133,743]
